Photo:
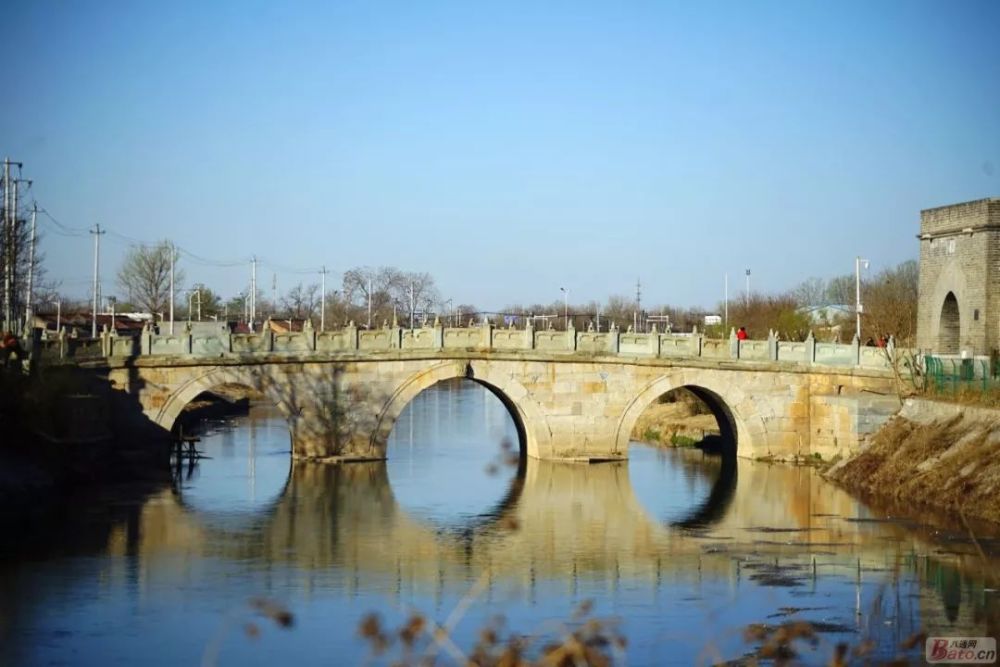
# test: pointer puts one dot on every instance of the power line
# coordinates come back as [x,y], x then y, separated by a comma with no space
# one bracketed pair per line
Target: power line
[69,231]
[66,229]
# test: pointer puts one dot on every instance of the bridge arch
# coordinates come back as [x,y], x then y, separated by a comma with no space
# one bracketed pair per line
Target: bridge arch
[731,406]
[242,376]
[532,428]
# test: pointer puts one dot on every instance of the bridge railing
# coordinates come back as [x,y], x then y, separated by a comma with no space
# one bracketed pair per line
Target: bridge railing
[352,340]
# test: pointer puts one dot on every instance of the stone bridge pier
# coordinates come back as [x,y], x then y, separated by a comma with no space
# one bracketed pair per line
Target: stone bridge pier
[565,408]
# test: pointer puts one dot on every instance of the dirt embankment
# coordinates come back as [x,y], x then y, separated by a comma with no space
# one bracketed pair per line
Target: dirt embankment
[679,419]
[936,455]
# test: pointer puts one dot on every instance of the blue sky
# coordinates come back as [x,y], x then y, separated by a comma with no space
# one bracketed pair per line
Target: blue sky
[506,148]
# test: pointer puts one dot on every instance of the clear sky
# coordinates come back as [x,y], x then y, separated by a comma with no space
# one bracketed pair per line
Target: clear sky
[509,149]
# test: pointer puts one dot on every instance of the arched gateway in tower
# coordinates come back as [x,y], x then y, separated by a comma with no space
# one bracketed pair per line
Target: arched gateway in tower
[959,300]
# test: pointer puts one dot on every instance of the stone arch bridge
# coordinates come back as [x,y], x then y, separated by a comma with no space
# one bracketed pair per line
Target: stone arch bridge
[567,404]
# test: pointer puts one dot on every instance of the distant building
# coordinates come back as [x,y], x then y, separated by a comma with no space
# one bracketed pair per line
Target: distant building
[713,320]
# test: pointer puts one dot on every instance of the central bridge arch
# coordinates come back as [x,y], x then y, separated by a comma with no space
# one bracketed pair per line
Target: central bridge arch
[533,433]
[732,407]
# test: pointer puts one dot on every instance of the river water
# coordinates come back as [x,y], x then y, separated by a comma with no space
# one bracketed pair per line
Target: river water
[676,551]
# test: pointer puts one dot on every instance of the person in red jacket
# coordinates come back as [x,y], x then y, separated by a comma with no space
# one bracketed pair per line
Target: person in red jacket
[742,334]
[9,347]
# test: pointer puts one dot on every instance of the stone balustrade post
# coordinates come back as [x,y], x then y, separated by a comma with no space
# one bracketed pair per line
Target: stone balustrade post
[890,351]
[654,341]
[810,348]
[146,340]
[188,339]
[438,341]
[310,334]
[772,345]
[697,342]
[614,344]
[571,337]
[734,344]
[487,334]
[529,335]
[268,334]
[396,334]
[62,342]
[106,341]
[856,350]
[351,330]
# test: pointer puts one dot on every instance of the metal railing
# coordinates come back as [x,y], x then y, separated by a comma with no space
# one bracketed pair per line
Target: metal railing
[955,374]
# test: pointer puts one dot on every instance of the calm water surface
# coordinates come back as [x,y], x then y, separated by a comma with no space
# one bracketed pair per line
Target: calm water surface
[681,550]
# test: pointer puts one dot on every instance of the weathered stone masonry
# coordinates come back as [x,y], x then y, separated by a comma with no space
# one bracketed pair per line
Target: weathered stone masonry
[959,293]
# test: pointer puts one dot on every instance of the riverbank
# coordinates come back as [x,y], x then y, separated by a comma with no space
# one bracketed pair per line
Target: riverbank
[676,423]
[64,432]
[933,455]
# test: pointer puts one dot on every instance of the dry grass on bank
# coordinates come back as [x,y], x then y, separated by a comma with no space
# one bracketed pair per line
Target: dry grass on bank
[950,464]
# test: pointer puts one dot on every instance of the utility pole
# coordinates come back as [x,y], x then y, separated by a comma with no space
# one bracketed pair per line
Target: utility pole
[748,288]
[14,322]
[638,305]
[28,312]
[172,261]
[274,292]
[97,266]
[322,299]
[369,302]
[253,290]
[8,237]
[411,304]
[725,320]
[565,306]
[858,308]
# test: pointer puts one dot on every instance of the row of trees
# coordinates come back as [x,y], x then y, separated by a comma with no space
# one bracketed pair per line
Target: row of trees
[889,299]
[377,295]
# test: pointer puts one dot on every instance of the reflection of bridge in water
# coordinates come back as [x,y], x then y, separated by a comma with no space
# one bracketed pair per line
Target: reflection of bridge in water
[559,523]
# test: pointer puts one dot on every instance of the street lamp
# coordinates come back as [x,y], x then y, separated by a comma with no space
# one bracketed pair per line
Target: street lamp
[565,305]
[858,261]
[447,307]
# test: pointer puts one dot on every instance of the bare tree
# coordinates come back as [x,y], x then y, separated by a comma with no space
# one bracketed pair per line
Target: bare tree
[891,303]
[620,310]
[811,292]
[15,248]
[388,288]
[145,276]
[301,302]
[841,290]
[770,312]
